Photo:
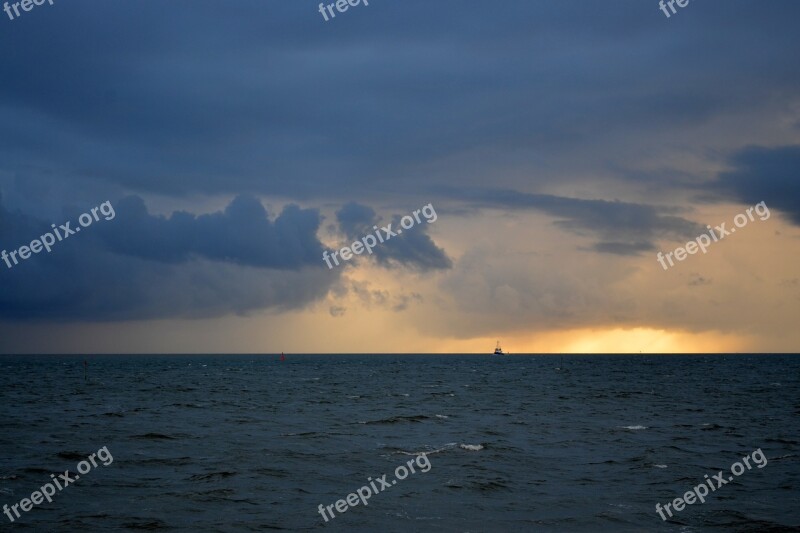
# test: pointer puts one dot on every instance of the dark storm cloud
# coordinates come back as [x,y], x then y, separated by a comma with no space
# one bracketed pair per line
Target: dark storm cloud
[355,219]
[267,97]
[760,174]
[413,248]
[623,228]
[242,234]
[142,266]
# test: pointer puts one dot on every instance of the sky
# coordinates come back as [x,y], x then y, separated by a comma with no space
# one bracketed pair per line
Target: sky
[551,150]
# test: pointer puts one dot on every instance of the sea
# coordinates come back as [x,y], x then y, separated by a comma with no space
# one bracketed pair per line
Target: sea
[511,443]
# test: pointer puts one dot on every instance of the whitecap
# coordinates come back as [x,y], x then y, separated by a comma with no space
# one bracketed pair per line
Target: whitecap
[448,446]
[401,452]
[472,447]
[633,427]
[660,466]
[442,416]
[431,450]
[783,457]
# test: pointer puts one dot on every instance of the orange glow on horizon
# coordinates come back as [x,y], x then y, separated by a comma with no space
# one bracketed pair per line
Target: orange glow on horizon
[618,340]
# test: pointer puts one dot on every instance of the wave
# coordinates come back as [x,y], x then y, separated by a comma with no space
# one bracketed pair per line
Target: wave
[398,419]
[306,434]
[782,457]
[272,472]
[151,525]
[782,441]
[447,447]
[72,456]
[35,470]
[491,485]
[168,461]
[153,436]
[711,427]
[212,476]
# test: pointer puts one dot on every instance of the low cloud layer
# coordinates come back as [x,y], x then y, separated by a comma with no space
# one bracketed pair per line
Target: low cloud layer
[140,266]
[242,234]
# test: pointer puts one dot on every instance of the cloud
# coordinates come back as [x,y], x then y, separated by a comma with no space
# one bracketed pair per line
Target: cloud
[242,234]
[369,297]
[698,280]
[354,218]
[764,174]
[623,228]
[404,300]
[139,266]
[413,248]
[623,248]
[240,108]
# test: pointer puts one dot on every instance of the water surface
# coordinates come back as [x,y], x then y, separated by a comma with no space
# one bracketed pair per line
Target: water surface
[245,443]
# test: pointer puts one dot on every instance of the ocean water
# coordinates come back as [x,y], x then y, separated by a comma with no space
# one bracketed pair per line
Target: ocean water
[246,443]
